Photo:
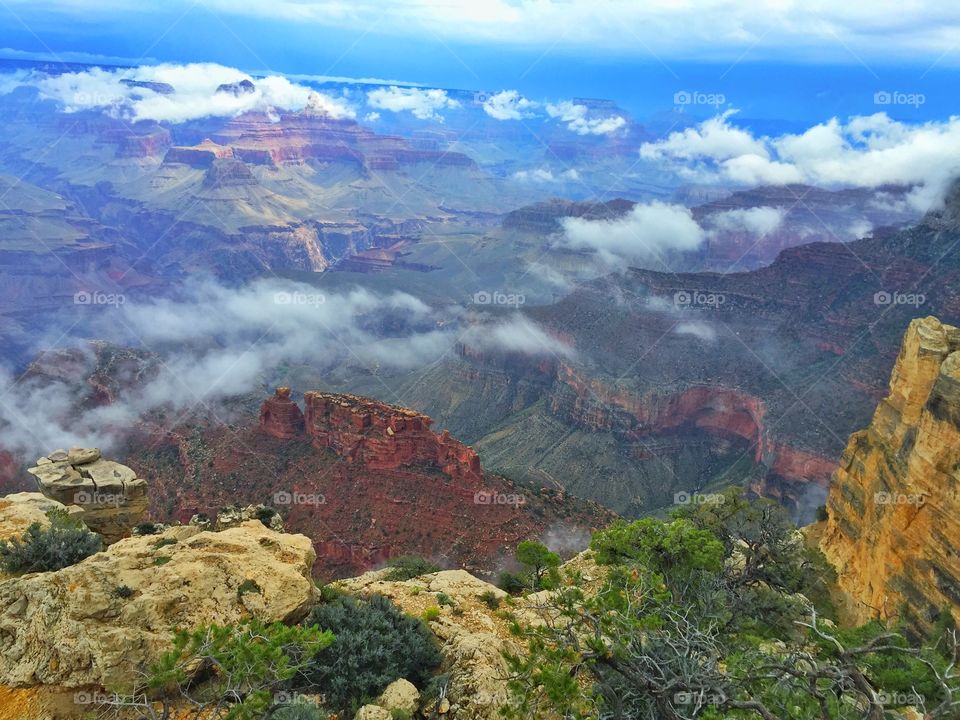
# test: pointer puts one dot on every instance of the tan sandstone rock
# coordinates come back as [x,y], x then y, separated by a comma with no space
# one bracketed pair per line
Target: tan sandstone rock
[373,712]
[400,695]
[894,509]
[74,627]
[111,495]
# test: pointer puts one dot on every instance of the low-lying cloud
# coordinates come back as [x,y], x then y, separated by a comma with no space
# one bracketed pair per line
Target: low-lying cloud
[645,234]
[580,120]
[864,151]
[212,343]
[174,93]
[509,105]
[422,104]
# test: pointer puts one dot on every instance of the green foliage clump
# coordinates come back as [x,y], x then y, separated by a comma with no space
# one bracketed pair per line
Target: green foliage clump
[407,567]
[713,614]
[265,514]
[430,614]
[300,708]
[490,599]
[247,667]
[444,600]
[542,564]
[147,528]
[65,542]
[375,645]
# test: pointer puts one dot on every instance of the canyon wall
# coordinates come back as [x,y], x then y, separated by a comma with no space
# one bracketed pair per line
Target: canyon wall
[893,525]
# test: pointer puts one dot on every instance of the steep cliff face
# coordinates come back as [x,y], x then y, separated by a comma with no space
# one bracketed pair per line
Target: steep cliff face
[894,508]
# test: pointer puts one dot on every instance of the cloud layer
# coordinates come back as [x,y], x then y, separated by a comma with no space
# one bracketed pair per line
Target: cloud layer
[174,93]
[422,104]
[644,235]
[865,151]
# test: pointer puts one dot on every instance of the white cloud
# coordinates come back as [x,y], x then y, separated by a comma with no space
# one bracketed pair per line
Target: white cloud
[578,120]
[509,105]
[700,330]
[519,334]
[424,104]
[546,175]
[866,151]
[756,221]
[194,93]
[644,234]
[371,117]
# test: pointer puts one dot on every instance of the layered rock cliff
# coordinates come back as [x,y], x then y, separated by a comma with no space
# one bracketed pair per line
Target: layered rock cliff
[893,525]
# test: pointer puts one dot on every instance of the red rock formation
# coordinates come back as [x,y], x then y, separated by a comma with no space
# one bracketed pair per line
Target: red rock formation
[385,437]
[280,416]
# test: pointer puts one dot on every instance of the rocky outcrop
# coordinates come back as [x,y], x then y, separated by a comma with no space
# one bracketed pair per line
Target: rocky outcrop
[105,620]
[374,434]
[280,416]
[113,499]
[893,523]
[21,510]
[473,637]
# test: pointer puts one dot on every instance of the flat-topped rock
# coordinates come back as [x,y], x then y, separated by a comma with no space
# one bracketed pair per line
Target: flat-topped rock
[112,497]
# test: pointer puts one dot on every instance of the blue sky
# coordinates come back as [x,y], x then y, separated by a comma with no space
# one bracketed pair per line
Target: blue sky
[784,60]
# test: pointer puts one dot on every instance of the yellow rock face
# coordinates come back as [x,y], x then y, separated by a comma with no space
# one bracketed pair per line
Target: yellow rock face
[893,530]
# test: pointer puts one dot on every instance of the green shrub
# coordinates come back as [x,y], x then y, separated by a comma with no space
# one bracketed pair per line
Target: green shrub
[65,542]
[164,542]
[265,514]
[490,599]
[123,591]
[375,644]
[147,528]
[430,614]
[241,667]
[407,567]
[300,708]
[513,583]
[445,600]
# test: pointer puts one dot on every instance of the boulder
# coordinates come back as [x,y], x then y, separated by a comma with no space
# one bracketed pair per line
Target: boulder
[107,619]
[400,695]
[373,712]
[112,497]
